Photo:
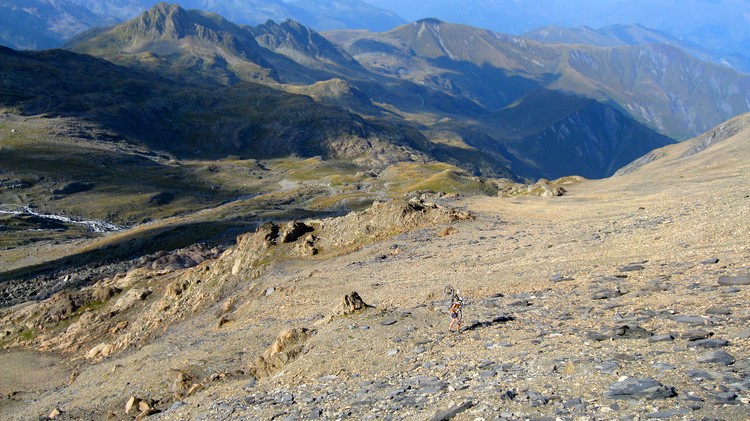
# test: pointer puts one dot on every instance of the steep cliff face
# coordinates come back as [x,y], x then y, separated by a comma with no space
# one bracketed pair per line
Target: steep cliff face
[592,142]
[193,120]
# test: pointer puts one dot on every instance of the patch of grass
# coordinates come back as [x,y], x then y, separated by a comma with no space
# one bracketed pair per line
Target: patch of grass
[350,201]
[449,181]
[27,335]
[438,177]
[334,173]
[90,306]
[124,181]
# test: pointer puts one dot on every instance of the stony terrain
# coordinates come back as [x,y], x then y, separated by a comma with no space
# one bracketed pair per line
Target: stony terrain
[625,298]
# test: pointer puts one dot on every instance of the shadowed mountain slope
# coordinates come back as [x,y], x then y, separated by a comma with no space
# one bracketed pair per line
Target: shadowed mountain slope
[659,85]
[576,135]
[245,118]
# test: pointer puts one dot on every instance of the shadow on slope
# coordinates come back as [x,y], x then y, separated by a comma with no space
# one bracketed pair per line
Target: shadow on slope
[207,120]
[488,323]
[129,245]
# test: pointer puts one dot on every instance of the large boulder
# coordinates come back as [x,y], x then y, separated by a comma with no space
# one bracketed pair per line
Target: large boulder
[352,304]
[292,231]
[61,306]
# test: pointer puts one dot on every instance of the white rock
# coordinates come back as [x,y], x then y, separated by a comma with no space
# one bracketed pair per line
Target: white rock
[132,402]
[95,351]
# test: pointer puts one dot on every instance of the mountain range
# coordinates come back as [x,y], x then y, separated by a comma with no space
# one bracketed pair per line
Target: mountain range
[715,33]
[657,84]
[512,106]
[288,55]
[467,85]
[41,24]
[716,25]
[631,35]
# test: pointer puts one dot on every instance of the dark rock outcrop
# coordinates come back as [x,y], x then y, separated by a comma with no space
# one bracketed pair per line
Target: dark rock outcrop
[74,187]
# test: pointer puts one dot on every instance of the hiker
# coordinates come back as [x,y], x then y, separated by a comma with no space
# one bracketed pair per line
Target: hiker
[455,310]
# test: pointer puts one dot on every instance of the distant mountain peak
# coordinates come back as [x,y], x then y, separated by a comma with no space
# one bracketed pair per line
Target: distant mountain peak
[170,21]
[202,41]
[166,8]
[290,26]
[291,23]
[164,19]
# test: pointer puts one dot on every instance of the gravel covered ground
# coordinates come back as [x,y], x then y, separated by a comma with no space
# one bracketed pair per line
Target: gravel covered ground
[624,299]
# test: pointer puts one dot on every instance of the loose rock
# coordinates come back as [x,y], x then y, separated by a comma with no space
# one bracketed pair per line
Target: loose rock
[694,335]
[708,343]
[352,304]
[691,320]
[631,268]
[717,357]
[131,403]
[287,346]
[631,388]
[452,412]
[661,338]
[631,332]
[734,280]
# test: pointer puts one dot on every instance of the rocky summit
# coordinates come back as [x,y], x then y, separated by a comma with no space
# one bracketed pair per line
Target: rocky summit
[625,298]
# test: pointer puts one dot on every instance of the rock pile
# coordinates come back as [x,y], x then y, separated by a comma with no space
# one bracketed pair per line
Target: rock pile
[542,188]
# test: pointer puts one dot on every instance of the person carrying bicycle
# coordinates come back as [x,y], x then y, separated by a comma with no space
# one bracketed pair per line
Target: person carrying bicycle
[456,315]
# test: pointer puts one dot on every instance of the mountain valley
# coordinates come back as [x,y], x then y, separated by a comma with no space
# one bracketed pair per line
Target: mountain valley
[197,105]
[203,219]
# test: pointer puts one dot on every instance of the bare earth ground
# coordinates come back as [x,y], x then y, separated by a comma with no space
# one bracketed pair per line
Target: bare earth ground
[568,301]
